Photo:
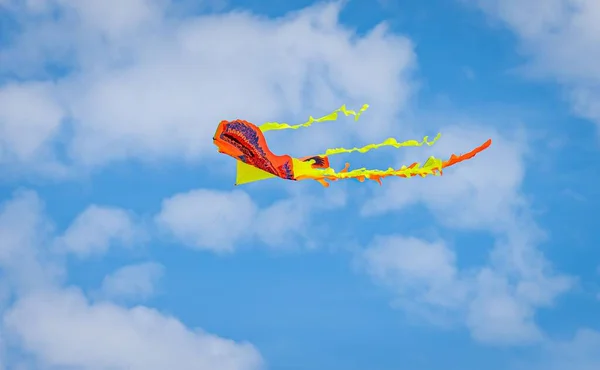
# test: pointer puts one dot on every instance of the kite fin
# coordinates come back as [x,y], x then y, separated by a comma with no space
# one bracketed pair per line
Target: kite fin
[318,161]
[246,173]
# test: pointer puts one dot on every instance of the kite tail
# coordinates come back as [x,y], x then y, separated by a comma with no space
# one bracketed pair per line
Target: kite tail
[388,142]
[454,159]
[269,126]
[433,166]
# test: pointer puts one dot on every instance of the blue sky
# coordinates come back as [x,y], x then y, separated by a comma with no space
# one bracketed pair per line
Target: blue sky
[125,245]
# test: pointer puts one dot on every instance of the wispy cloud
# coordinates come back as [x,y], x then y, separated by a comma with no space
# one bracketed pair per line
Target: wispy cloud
[560,39]
[497,301]
[96,229]
[132,282]
[148,86]
[49,320]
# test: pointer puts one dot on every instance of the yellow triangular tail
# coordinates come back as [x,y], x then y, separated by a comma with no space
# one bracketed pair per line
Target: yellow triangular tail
[246,173]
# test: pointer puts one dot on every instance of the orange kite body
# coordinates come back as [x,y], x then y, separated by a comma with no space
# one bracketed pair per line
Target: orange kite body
[245,142]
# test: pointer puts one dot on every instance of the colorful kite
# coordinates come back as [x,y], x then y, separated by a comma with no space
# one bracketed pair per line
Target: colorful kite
[245,142]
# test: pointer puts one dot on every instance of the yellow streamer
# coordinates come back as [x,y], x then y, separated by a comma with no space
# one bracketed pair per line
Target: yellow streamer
[269,126]
[304,171]
[388,142]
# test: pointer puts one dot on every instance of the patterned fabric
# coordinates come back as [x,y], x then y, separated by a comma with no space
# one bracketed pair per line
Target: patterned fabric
[244,141]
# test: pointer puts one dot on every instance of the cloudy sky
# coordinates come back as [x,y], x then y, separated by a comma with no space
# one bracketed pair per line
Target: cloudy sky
[125,245]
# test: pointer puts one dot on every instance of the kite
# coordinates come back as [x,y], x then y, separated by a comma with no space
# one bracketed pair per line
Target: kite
[246,143]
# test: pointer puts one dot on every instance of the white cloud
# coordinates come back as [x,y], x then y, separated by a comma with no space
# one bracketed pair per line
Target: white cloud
[96,229]
[428,283]
[25,131]
[562,39]
[148,86]
[22,229]
[221,221]
[294,221]
[207,219]
[580,352]
[103,17]
[496,300]
[281,224]
[498,314]
[132,282]
[63,330]
[90,336]
[414,267]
